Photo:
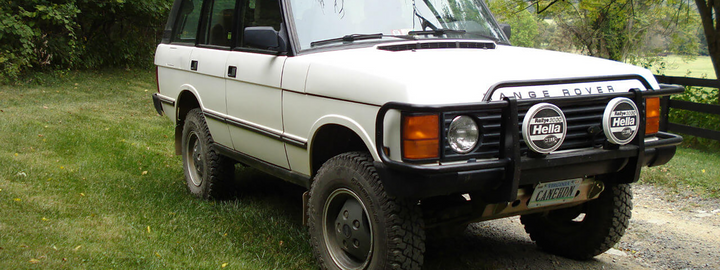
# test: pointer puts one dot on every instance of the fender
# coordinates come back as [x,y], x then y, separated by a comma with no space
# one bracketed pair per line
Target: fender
[341,120]
[186,88]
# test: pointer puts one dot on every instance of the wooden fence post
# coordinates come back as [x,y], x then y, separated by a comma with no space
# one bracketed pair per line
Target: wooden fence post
[664,112]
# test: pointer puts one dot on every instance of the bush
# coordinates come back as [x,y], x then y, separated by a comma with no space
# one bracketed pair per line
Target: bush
[696,119]
[41,35]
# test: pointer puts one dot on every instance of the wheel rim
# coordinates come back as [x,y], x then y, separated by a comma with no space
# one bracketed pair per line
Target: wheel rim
[195,164]
[347,230]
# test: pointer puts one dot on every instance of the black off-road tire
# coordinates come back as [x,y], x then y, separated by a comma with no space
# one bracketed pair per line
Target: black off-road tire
[604,223]
[348,202]
[208,174]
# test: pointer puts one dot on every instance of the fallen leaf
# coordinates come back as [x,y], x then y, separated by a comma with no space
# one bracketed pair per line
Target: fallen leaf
[224,265]
[157,254]
[82,194]
[44,219]
[148,229]
[78,247]
[17,199]
[34,261]
[16,154]
[144,173]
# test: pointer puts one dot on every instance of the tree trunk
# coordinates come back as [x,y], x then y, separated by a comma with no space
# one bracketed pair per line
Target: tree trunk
[712,31]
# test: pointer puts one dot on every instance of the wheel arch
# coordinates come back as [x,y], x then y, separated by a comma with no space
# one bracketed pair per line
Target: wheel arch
[187,100]
[334,135]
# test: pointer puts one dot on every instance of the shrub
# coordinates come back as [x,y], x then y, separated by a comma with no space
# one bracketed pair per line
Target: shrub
[696,119]
[38,35]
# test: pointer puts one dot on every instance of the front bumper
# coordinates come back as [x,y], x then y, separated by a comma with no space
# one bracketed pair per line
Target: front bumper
[497,180]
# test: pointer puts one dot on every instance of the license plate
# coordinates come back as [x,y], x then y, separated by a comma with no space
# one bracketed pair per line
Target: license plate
[554,192]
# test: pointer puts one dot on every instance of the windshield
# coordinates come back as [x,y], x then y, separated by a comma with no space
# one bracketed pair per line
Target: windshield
[319,20]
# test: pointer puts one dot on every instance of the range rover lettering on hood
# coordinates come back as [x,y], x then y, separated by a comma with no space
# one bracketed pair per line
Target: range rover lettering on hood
[565,90]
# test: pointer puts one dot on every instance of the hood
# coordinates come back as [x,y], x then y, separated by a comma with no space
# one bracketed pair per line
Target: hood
[448,76]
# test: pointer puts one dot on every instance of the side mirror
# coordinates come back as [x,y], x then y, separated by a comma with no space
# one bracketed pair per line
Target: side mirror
[506,29]
[265,38]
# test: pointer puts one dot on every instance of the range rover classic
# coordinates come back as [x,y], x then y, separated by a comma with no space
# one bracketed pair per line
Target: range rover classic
[402,117]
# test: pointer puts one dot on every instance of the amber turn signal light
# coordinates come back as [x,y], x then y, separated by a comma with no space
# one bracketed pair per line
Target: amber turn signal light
[652,115]
[421,136]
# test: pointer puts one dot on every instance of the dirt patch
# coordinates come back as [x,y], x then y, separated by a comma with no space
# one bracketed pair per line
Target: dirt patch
[673,232]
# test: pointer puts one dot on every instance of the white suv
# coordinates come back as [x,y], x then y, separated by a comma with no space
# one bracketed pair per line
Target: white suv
[403,116]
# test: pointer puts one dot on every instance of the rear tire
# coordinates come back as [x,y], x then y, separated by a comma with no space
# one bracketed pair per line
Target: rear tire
[208,174]
[584,231]
[354,224]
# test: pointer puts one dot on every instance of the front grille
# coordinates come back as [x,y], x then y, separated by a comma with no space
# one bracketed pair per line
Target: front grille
[581,117]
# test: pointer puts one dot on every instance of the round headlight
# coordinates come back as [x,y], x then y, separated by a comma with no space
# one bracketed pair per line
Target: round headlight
[463,134]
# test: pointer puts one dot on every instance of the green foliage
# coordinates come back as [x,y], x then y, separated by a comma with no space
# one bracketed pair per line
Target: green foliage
[38,35]
[525,24]
[701,120]
[618,30]
[33,34]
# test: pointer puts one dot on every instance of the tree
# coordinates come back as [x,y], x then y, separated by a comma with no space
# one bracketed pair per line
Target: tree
[72,34]
[525,25]
[613,29]
[709,11]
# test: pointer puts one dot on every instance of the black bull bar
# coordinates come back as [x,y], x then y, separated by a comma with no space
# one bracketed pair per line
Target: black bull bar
[501,177]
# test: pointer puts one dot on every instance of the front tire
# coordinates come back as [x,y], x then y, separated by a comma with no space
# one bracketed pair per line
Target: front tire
[354,224]
[208,174]
[584,231]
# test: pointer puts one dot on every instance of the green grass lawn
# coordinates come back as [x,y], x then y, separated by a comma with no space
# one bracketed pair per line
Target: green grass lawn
[690,171]
[699,67]
[89,180]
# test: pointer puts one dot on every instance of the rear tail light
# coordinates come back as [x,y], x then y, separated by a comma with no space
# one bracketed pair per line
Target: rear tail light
[652,115]
[421,136]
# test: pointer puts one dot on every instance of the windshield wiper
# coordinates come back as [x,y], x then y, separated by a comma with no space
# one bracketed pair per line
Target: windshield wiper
[436,32]
[354,37]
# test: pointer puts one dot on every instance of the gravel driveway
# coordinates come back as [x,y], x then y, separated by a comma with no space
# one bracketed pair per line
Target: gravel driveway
[666,232]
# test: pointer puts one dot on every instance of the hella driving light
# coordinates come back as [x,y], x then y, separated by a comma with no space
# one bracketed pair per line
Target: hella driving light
[463,134]
[621,121]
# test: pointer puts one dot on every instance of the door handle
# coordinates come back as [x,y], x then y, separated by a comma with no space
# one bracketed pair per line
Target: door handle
[232,71]
[194,65]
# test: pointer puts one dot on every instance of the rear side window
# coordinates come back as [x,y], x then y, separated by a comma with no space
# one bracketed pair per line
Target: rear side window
[186,25]
[219,27]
